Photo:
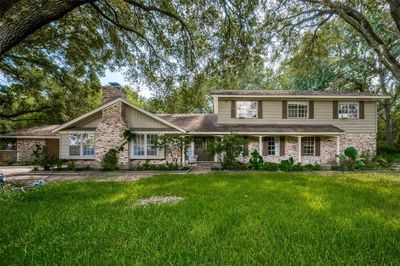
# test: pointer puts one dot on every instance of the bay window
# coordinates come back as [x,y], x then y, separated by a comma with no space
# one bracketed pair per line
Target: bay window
[81,144]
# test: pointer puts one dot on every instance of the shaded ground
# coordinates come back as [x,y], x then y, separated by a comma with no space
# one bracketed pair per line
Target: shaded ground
[237,218]
[24,174]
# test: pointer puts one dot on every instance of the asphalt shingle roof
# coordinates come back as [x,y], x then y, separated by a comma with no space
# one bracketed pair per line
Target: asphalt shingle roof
[289,93]
[34,131]
[208,123]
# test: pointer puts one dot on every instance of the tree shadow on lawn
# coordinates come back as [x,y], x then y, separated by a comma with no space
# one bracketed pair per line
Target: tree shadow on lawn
[306,217]
[224,219]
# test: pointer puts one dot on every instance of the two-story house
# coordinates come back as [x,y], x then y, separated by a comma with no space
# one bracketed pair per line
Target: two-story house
[310,126]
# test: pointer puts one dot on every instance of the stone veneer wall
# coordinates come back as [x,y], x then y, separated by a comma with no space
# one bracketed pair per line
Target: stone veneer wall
[363,142]
[168,158]
[109,134]
[25,148]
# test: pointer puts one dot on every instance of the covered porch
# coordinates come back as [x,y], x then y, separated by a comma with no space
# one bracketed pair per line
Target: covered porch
[317,144]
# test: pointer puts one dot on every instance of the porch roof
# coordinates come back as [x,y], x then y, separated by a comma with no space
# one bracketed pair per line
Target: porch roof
[207,123]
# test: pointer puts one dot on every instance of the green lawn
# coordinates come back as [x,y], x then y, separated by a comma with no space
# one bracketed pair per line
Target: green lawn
[240,218]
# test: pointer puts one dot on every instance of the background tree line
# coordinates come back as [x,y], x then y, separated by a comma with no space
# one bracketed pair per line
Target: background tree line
[53,52]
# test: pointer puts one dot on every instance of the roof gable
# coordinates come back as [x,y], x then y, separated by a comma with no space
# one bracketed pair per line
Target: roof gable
[94,113]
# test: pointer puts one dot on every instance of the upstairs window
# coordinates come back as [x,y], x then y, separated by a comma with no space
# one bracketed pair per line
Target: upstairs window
[348,110]
[246,109]
[144,146]
[81,144]
[297,109]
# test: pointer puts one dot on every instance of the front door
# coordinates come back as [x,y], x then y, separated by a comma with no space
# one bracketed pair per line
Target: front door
[201,148]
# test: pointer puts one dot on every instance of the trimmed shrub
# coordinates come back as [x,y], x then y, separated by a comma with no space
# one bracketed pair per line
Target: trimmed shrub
[268,166]
[351,152]
[160,167]
[286,165]
[71,165]
[43,159]
[256,160]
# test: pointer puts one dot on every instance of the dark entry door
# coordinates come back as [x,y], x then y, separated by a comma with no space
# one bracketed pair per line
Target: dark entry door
[200,148]
[52,147]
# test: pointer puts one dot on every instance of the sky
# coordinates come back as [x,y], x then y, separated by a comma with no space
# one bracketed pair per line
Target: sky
[117,76]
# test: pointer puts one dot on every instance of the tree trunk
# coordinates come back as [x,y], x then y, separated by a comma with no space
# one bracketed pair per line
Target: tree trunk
[22,19]
[395,11]
[362,25]
[387,105]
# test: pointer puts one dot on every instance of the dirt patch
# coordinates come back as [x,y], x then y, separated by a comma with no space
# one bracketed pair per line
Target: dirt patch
[158,200]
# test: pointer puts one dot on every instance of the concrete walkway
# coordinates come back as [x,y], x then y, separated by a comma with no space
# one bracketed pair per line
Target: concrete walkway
[15,170]
[24,174]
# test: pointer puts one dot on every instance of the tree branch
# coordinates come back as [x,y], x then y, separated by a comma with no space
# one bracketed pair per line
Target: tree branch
[16,114]
[14,29]
[152,8]
[358,21]
[395,11]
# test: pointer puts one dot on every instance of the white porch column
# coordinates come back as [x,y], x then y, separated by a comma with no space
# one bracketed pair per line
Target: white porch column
[337,149]
[299,148]
[215,155]
[183,155]
[260,145]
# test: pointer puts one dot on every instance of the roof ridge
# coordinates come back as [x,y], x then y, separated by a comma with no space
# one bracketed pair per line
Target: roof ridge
[186,114]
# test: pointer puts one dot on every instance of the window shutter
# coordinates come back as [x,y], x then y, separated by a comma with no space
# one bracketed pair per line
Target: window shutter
[284,109]
[302,146]
[311,109]
[265,146]
[246,148]
[233,109]
[317,146]
[361,109]
[260,109]
[282,146]
[335,109]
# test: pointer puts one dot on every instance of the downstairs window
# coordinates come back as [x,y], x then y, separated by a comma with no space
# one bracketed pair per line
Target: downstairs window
[308,146]
[272,146]
[81,144]
[144,146]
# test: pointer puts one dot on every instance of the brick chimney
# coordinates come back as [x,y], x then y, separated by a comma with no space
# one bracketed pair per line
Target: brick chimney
[112,91]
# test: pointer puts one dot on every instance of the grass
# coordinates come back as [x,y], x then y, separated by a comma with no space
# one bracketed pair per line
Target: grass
[239,218]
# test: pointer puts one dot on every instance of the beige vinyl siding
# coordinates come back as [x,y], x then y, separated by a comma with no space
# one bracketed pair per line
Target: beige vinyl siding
[323,114]
[92,123]
[64,147]
[136,119]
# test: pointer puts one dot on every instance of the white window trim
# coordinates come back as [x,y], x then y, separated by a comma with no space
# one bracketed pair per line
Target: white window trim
[239,117]
[277,146]
[159,155]
[343,103]
[314,147]
[298,102]
[81,155]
